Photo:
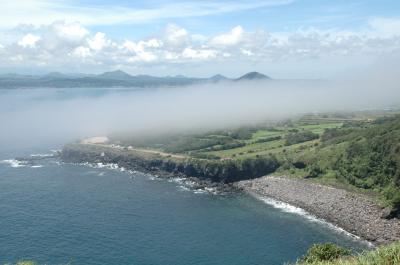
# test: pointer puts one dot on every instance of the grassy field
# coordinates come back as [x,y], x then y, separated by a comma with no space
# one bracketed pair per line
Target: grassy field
[226,145]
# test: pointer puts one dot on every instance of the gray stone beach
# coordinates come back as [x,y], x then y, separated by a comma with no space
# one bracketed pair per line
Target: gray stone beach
[355,213]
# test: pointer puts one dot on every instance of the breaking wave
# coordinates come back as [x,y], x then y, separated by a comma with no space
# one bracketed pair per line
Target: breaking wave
[288,208]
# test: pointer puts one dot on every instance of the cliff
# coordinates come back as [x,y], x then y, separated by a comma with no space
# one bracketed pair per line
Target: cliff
[223,171]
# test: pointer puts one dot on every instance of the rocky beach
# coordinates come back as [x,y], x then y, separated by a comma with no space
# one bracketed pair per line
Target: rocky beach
[355,213]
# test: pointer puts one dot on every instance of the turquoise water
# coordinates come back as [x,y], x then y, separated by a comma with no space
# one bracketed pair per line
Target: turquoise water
[55,213]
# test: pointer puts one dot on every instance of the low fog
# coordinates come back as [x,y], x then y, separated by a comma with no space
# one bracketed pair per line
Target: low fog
[32,117]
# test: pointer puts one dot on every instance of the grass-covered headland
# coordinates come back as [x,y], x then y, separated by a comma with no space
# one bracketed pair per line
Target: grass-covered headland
[356,151]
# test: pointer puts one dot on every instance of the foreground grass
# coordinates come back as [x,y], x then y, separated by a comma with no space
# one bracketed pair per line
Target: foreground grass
[386,255]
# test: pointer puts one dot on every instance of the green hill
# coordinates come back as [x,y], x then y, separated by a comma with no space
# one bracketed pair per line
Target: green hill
[360,152]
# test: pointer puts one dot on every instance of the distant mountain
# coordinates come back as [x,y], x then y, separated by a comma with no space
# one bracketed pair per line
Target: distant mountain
[179,76]
[117,75]
[116,78]
[55,75]
[254,76]
[218,77]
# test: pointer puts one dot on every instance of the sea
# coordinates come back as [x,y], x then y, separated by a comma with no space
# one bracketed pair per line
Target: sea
[90,214]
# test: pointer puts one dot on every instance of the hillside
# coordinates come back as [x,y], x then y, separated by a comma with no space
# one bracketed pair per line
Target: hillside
[359,153]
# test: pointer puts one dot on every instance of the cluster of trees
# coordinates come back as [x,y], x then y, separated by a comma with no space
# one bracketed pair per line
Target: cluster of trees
[243,133]
[225,146]
[268,139]
[300,137]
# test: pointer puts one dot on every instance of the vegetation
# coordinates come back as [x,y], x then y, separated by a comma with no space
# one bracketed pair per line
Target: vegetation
[329,254]
[300,137]
[357,151]
[366,157]
[324,252]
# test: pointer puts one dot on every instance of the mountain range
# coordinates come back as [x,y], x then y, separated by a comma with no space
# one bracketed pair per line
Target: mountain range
[116,78]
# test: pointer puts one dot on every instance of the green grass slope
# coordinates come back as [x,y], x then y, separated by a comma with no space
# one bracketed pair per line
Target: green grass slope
[330,255]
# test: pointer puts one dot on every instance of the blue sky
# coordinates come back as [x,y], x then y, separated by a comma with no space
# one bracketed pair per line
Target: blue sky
[290,38]
[284,16]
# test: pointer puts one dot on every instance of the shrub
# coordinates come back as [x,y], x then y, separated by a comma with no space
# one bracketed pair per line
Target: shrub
[314,171]
[324,252]
[268,139]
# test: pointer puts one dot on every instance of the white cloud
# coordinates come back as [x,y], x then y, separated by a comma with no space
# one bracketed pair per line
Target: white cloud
[142,45]
[47,48]
[140,54]
[81,52]
[143,57]
[176,35]
[98,42]
[70,31]
[29,40]
[198,54]
[385,26]
[247,52]
[231,38]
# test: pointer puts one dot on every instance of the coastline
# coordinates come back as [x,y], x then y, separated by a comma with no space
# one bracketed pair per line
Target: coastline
[356,214]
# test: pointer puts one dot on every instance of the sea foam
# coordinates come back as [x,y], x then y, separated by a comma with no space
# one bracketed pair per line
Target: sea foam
[14,163]
[288,208]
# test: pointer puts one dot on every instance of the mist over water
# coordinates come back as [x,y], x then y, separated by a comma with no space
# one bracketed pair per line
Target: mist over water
[62,115]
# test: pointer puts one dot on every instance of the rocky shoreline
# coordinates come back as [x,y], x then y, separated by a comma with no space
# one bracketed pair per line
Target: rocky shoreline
[105,155]
[357,214]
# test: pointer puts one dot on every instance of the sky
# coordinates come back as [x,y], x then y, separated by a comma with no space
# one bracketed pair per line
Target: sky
[291,39]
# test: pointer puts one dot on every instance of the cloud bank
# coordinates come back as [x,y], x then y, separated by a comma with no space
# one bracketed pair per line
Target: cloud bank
[70,46]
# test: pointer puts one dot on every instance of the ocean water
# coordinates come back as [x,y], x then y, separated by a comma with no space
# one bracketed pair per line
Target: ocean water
[56,213]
